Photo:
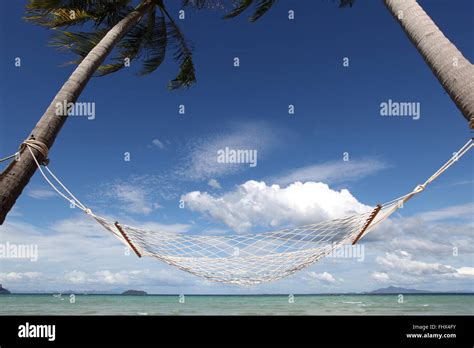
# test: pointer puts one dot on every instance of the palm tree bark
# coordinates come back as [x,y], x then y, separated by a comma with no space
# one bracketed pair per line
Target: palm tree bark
[17,175]
[451,68]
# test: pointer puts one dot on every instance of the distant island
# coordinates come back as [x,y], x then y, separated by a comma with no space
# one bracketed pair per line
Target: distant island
[397,290]
[134,292]
[3,291]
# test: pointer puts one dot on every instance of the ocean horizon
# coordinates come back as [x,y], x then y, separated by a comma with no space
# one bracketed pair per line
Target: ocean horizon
[275,304]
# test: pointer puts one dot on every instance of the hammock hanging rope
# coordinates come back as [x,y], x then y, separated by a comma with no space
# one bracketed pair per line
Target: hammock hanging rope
[250,258]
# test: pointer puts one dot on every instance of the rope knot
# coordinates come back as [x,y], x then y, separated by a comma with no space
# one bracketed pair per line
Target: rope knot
[38,146]
[419,188]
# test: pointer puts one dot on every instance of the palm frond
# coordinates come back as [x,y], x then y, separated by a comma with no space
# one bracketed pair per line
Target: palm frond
[129,47]
[200,4]
[78,43]
[262,7]
[155,47]
[61,18]
[64,13]
[240,7]
[345,3]
[182,55]
[148,40]
[86,5]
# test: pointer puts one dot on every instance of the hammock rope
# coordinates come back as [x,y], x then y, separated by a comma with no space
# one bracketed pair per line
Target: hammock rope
[248,258]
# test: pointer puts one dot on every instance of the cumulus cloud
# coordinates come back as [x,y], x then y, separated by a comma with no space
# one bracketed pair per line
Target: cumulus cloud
[324,277]
[381,277]
[401,267]
[78,253]
[403,262]
[18,276]
[332,172]
[465,272]
[126,277]
[76,277]
[257,204]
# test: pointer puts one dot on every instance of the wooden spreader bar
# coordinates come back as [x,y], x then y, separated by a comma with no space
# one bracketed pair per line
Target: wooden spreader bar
[119,228]
[368,222]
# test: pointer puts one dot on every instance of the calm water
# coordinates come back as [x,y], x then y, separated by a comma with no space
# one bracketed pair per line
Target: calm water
[236,305]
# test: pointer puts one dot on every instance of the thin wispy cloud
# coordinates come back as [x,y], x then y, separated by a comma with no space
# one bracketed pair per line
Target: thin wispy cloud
[130,197]
[463,211]
[201,155]
[214,184]
[157,143]
[41,193]
[331,172]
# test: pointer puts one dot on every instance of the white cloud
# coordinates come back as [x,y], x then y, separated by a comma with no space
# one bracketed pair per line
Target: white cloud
[157,227]
[125,277]
[458,211]
[18,276]
[214,184]
[436,234]
[79,254]
[399,266]
[158,143]
[201,162]
[132,198]
[41,193]
[76,277]
[381,277]
[331,172]
[465,272]
[324,277]
[403,262]
[254,203]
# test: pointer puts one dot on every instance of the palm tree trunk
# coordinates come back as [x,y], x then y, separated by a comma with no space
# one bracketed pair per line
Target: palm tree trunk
[17,175]
[451,68]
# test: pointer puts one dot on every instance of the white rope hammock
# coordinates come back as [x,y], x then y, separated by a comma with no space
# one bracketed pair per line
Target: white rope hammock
[251,258]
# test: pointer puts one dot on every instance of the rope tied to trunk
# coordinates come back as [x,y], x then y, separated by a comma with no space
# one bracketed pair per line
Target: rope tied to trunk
[39,146]
[34,144]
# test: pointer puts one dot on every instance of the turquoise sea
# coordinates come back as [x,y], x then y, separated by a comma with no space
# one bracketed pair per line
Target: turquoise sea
[49,304]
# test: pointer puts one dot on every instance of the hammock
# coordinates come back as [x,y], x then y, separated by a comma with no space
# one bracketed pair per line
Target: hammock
[250,258]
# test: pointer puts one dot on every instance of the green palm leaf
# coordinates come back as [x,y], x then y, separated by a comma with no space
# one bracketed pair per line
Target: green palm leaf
[182,55]
[240,7]
[147,41]
[155,46]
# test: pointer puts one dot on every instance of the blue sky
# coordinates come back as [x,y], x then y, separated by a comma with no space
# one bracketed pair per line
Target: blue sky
[282,62]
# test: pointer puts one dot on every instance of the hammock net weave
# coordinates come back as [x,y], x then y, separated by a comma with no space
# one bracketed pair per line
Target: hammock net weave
[250,258]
